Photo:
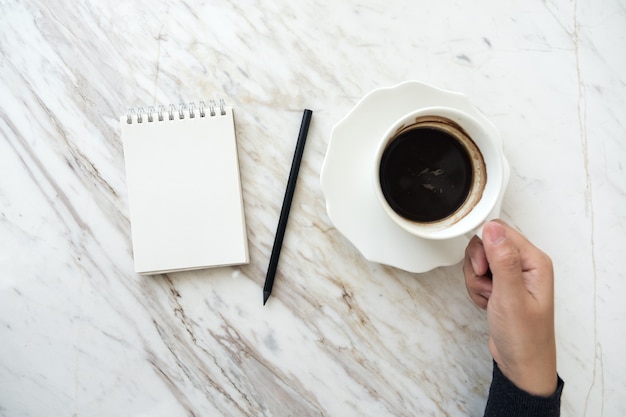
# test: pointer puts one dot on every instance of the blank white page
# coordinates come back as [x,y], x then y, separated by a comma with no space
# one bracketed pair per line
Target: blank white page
[184,192]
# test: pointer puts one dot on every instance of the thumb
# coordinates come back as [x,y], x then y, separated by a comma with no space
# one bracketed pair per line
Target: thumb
[504,259]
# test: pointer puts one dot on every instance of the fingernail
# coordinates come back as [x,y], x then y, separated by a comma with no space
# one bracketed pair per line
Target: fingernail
[494,233]
[474,264]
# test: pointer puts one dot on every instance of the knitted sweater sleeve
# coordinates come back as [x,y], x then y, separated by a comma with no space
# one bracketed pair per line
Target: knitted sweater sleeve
[505,399]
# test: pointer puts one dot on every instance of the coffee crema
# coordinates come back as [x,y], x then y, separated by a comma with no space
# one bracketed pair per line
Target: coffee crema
[426,173]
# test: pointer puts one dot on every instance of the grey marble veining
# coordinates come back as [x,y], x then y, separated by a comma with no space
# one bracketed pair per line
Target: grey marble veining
[83,335]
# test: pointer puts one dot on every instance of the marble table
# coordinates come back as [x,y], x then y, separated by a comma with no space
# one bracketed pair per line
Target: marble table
[83,335]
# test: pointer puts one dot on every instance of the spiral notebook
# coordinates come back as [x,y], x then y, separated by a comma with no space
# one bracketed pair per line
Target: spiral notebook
[184,188]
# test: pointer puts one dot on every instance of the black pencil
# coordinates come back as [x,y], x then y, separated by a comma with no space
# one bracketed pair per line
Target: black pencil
[284,212]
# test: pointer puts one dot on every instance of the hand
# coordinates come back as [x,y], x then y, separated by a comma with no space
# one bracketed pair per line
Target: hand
[514,281]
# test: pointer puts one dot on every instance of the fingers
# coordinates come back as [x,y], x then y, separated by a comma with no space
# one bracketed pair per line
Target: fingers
[476,254]
[512,257]
[475,268]
[504,258]
[480,291]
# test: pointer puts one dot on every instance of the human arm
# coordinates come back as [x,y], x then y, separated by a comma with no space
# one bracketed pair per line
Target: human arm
[514,281]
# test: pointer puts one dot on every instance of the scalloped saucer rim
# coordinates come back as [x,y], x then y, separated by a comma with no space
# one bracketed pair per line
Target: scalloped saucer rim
[345,178]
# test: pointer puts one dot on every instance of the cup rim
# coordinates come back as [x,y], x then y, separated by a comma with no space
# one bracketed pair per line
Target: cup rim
[487,139]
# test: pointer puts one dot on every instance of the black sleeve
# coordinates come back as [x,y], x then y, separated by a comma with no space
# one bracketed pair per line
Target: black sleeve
[505,399]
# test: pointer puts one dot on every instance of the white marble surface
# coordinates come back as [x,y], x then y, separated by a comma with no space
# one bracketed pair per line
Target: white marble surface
[82,335]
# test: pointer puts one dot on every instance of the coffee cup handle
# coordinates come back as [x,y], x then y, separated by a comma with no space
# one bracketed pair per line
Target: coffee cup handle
[476,232]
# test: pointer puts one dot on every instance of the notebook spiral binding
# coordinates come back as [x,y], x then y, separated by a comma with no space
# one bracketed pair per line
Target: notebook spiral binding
[140,115]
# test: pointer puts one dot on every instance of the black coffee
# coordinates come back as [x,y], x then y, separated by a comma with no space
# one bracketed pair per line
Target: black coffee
[425,174]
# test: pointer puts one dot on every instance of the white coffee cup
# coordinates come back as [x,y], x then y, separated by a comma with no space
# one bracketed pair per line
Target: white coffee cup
[481,143]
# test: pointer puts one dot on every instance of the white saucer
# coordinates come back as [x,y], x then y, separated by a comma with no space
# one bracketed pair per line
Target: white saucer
[346,179]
